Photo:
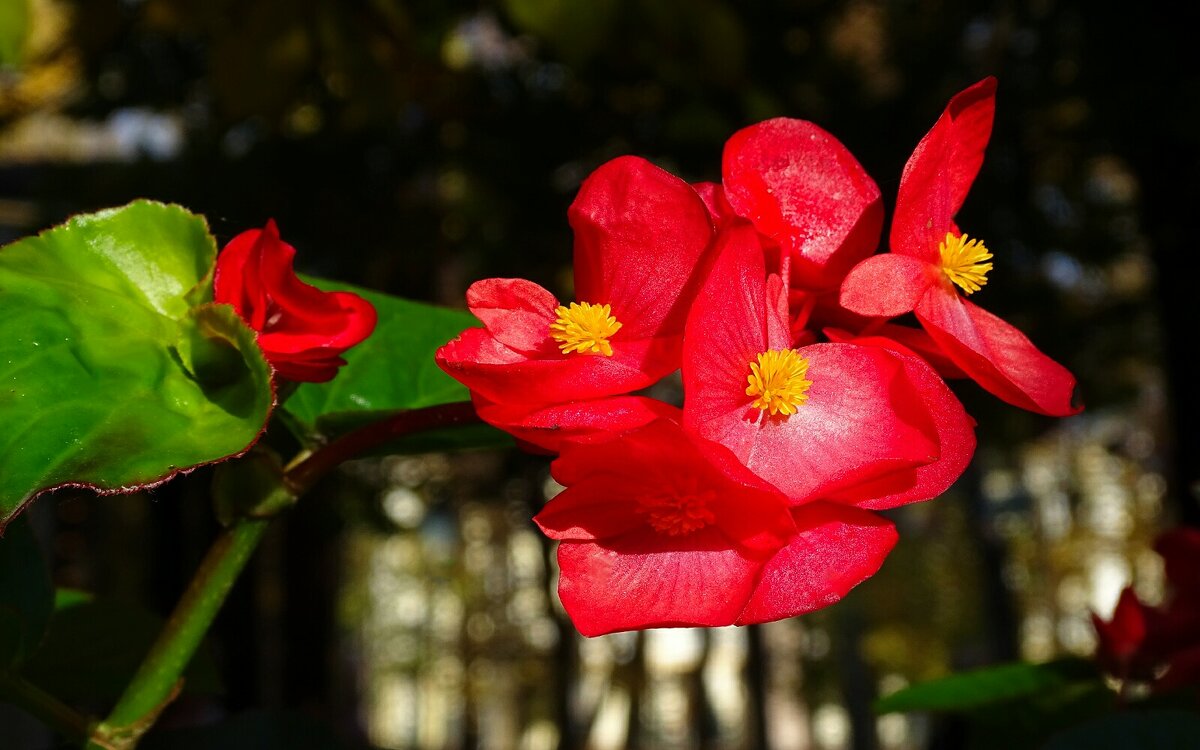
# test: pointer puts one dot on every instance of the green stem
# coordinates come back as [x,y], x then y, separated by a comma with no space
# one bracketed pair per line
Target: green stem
[50,710]
[157,679]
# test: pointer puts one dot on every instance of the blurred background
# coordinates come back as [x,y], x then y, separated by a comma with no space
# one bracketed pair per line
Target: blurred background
[416,146]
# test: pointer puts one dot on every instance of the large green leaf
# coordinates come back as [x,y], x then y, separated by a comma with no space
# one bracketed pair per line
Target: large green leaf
[26,594]
[980,687]
[391,371]
[114,372]
[93,648]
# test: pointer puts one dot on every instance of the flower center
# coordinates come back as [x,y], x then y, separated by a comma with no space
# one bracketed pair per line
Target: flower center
[677,515]
[584,328]
[963,262]
[777,381]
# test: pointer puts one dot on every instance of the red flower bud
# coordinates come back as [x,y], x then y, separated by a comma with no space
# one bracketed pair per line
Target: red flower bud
[302,330]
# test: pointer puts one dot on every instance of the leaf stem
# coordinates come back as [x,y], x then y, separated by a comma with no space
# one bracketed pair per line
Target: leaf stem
[301,476]
[157,679]
[50,710]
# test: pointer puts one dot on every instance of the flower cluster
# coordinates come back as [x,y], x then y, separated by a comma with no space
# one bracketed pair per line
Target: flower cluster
[805,406]
[1159,646]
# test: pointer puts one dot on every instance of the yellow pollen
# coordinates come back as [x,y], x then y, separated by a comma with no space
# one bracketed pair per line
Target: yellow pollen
[677,515]
[963,262]
[777,381]
[584,328]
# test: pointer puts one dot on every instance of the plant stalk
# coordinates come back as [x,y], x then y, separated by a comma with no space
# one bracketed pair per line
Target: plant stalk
[41,705]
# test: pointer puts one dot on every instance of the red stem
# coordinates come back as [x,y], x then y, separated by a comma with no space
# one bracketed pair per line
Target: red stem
[302,476]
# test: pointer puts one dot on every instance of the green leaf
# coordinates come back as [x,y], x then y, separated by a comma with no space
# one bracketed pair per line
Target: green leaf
[391,371]
[14,30]
[93,648]
[980,687]
[256,730]
[26,594]
[1144,730]
[114,373]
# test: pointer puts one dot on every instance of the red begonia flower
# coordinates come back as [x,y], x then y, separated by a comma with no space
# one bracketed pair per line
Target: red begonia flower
[640,235]
[660,528]
[821,421]
[302,330]
[1122,637]
[800,187]
[930,257]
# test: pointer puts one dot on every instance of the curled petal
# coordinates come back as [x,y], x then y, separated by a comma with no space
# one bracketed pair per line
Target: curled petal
[518,313]
[996,355]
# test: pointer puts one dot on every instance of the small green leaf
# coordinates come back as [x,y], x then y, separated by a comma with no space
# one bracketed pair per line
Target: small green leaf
[109,376]
[256,730]
[26,594]
[980,687]
[391,371]
[93,648]
[1144,730]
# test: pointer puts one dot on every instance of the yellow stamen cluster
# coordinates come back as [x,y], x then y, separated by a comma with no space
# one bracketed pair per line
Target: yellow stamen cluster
[677,515]
[584,328]
[963,262]
[777,381]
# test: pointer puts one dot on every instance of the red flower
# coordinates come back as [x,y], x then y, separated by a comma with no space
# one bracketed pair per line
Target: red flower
[863,425]
[931,257]
[660,528]
[640,234]
[1158,645]
[302,330]
[1123,637]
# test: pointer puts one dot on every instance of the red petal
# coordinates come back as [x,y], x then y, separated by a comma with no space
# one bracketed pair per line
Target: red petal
[517,312]
[836,549]
[955,438]
[646,580]
[661,460]
[996,355]
[802,188]
[940,171]
[1123,635]
[886,285]
[503,375]
[550,427]
[640,235]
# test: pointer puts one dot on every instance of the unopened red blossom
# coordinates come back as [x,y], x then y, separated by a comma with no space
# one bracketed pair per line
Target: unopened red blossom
[301,329]
[933,266]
